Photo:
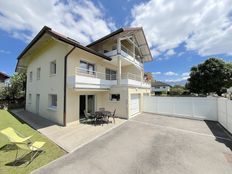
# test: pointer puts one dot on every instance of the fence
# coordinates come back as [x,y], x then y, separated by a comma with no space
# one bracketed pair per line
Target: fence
[225,113]
[204,108]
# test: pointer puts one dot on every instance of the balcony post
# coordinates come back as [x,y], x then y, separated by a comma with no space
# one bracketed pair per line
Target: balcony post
[141,73]
[133,47]
[119,61]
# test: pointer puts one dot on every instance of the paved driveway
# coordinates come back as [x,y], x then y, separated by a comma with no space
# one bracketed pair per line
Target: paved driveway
[152,144]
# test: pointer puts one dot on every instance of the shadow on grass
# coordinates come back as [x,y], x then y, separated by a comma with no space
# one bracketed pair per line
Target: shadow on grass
[8,147]
[220,133]
[25,159]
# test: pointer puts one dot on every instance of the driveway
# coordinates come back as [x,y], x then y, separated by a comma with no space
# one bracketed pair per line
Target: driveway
[152,144]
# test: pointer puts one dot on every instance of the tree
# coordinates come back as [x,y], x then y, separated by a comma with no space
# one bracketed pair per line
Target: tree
[15,88]
[214,75]
[178,90]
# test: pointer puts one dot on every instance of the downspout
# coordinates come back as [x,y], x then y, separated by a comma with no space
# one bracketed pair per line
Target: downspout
[65,83]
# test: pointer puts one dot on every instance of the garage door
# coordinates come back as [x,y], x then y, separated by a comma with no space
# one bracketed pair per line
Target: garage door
[134,104]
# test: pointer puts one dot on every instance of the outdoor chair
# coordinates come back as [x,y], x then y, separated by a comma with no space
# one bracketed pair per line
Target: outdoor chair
[24,143]
[14,136]
[113,115]
[88,115]
[35,148]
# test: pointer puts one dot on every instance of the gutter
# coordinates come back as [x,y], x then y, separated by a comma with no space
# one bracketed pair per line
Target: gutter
[65,84]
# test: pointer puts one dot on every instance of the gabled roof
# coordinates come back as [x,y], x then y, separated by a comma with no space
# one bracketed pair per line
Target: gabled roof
[127,30]
[158,84]
[60,37]
[4,76]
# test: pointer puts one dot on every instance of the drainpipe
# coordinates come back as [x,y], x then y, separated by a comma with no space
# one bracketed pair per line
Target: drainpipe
[65,84]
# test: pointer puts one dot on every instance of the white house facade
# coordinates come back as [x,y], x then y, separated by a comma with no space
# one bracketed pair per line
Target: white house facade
[64,78]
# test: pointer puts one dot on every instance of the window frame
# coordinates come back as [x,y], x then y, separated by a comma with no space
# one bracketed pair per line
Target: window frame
[110,74]
[29,98]
[30,76]
[51,67]
[116,97]
[38,73]
[87,69]
[50,101]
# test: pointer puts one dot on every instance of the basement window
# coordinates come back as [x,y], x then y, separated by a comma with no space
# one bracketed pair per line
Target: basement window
[115,97]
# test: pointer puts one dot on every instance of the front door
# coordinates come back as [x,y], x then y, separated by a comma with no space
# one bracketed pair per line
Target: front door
[87,102]
[37,103]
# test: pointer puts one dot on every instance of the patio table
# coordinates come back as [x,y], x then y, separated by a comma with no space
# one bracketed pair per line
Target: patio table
[103,115]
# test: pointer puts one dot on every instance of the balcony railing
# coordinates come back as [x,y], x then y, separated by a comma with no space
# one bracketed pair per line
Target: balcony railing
[95,74]
[85,78]
[127,54]
[134,80]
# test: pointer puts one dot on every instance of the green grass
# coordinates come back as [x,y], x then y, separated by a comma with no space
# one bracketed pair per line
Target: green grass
[52,150]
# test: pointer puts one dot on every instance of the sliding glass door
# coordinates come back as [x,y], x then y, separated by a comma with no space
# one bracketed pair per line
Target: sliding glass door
[87,103]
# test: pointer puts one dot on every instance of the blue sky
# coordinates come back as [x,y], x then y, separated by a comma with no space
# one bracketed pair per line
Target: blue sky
[180,33]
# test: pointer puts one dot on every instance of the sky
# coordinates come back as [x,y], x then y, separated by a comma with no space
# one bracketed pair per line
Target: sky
[180,33]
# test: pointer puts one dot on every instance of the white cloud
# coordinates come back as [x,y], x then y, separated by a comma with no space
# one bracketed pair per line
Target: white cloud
[4,51]
[170,73]
[185,74]
[183,77]
[176,80]
[81,20]
[155,52]
[203,26]
[156,73]
[170,52]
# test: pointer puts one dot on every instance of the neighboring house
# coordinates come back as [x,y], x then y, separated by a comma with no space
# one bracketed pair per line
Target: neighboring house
[64,78]
[3,79]
[159,87]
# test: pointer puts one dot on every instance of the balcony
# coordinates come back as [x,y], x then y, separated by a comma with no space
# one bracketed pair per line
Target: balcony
[85,79]
[133,80]
[127,55]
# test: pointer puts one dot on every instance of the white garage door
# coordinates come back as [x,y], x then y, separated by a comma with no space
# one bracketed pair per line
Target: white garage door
[134,104]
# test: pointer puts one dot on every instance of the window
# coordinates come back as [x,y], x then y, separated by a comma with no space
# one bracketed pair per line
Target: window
[111,74]
[29,99]
[87,68]
[38,73]
[115,97]
[52,101]
[30,76]
[53,67]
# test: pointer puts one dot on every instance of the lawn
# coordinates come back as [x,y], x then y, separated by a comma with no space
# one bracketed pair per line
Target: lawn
[52,150]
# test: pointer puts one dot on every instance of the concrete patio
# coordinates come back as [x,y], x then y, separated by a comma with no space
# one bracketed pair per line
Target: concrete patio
[69,138]
[152,144]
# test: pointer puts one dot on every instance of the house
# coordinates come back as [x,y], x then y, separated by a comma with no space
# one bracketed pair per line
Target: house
[159,87]
[3,79]
[64,78]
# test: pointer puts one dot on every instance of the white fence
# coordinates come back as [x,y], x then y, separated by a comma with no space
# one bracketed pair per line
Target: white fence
[225,113]
[210,108]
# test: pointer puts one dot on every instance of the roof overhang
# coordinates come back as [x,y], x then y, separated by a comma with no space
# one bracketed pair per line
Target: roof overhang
[139,36]
[43,36]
